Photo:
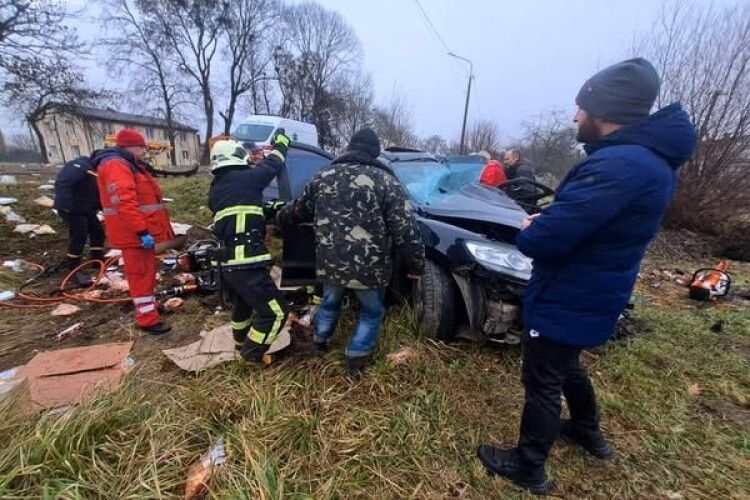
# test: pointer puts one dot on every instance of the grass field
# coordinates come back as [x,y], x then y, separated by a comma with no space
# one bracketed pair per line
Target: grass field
[675,402]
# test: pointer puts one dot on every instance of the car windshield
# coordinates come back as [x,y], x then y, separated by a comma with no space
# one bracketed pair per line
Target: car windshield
[253,132]
[429,182]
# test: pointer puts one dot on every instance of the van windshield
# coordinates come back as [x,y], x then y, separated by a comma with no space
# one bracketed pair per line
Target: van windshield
[253,132]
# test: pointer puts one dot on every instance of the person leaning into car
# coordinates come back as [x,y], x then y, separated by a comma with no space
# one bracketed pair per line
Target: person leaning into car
[587,248]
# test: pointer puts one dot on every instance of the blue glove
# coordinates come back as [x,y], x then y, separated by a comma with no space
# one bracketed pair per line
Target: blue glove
[147,241]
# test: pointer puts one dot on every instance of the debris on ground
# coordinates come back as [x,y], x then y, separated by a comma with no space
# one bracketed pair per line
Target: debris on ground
[9,380]
[173,303]
[115,281]
[93,295]
[403,356]
[44,229]
[8,201]
[7,295]
[215,346]
[694,390]
[69,332]
[180,229]
[45,201]
[8,180]
[200,472]
[17,265]
[185,279]
[11,217]
[34,229]
[65,310]
[46,187]
[114,252]
[74,375]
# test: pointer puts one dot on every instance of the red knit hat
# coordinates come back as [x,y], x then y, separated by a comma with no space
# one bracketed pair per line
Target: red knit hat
[129,137]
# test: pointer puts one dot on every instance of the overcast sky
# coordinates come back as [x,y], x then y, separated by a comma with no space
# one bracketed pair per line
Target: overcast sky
[529,56]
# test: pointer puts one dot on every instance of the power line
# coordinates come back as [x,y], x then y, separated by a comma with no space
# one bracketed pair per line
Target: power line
[432,26]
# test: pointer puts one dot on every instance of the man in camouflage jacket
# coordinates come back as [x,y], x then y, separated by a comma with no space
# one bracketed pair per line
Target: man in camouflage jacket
[362,220]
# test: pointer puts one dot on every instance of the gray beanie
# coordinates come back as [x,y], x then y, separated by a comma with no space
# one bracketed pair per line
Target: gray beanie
[622,93]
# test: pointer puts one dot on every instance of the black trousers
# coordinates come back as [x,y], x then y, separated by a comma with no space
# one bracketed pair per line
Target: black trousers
[254,291]
[549,370]
[80,228]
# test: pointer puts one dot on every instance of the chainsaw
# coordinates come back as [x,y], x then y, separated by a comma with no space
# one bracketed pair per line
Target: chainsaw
[711,283]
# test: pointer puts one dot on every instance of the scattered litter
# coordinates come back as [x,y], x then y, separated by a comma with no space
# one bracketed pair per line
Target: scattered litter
[45,201]
[70,376]
[11,217]
[200,472]
[173,303]
[9,380]
[44,229]
[7,295]
[185,279]
[8,180]
[65,310]
[25,228]
[69,332]
[214,347]
[93,295]
[113,253]
[14,265]
[8,201]
[180,229]
[116,282]
[168,200]
[46,187]
[128,362]
[694,390]
[403,356]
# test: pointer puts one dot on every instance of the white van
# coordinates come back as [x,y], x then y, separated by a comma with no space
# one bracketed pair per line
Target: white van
[260,129]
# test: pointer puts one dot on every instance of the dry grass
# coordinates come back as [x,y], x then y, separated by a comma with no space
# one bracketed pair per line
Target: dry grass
[299,430]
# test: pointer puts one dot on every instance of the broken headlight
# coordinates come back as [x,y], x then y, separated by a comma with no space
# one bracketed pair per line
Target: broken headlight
[502,258]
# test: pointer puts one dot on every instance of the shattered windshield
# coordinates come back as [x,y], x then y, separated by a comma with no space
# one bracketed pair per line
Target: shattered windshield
[429,182]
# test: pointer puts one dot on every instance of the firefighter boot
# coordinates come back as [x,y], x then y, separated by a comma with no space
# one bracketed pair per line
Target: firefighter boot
[159,328]
[254,352]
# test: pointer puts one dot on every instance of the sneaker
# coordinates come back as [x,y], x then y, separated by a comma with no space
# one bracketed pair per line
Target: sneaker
[356,367]
[159,328]
[591,441]
[505,463]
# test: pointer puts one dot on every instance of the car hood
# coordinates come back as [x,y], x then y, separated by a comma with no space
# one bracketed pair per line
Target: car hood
[474,202]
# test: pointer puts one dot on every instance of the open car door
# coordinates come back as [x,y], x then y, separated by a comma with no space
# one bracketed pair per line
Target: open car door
[298,256]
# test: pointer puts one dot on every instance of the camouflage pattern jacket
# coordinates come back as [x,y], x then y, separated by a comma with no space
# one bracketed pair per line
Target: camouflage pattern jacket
[362,218]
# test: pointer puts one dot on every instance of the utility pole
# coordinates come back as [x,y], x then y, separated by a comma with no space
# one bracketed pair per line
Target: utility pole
[468,95]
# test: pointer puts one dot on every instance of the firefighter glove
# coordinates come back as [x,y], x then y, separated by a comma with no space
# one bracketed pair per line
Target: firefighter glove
[281,142]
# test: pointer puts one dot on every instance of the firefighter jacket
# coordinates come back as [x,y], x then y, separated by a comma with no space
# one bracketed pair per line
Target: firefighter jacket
[75,188]
[131,200]
[236,200]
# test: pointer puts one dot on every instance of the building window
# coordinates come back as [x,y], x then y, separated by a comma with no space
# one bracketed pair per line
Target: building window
[109,127]
[76,150]
[150,132]
[183,136]
[185,155]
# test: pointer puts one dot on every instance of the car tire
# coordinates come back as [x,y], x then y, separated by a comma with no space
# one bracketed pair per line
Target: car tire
[434,297]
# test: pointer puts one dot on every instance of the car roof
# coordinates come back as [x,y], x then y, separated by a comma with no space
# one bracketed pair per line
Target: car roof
[312,149]
[396,154]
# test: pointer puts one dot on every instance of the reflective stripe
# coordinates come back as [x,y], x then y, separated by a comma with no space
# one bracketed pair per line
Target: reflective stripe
[248,260]
[96,248]
[239,209]
[109,211]
[146,309]
[277,154]
[241,325]
[256,336]
[143,300]
[151,208]
[276,308]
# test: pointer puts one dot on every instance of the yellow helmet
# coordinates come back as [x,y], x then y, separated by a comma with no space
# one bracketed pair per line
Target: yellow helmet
[228,153]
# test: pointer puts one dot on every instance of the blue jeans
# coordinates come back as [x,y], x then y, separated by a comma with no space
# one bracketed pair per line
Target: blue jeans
[372,310]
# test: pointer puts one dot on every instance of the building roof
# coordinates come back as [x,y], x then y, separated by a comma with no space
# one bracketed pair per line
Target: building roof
[109,114]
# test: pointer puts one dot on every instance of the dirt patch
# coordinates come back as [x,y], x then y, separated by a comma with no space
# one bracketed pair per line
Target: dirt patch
[726,411]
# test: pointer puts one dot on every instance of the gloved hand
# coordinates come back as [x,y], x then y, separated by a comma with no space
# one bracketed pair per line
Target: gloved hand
[280,142]
[147,241]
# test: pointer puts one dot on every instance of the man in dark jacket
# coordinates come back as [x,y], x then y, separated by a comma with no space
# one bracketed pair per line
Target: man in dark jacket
[77,202]
[236,200]
[587,248]
[516,167]
[361,216]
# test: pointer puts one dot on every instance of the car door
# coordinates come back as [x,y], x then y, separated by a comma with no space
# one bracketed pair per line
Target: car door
[298,257]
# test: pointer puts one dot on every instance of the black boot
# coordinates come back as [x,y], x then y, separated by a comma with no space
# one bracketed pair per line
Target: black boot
[591,441]
[96,254]
[506,463]
[356,367]
[252,351]
[159,328]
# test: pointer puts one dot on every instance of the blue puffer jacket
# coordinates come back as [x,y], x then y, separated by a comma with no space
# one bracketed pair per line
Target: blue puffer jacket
[588,245]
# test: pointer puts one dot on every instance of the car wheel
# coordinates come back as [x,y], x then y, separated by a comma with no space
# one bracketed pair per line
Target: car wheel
[434,300]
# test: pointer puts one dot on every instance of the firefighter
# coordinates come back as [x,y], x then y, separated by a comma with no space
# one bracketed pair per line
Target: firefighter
[77,202]
[236,200]
[135,219]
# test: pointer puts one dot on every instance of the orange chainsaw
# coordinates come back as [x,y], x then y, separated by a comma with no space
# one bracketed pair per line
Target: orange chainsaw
[710,284]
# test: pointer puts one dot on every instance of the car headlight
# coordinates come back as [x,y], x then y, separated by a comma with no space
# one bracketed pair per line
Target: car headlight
[502,258]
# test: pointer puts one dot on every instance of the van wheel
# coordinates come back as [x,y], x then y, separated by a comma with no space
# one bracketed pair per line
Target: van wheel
[434,301]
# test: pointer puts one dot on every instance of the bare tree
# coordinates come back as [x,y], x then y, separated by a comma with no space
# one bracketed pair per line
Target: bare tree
[435,144]
[393,123]
[36,87]
[549,143]
[354,110]
[34,30]
[483,136]
[703,56]
[154,74]
[319,49]
[190,30]
[247,50]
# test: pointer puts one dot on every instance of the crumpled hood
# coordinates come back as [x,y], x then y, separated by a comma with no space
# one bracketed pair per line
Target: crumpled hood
[474,202]
[668,133]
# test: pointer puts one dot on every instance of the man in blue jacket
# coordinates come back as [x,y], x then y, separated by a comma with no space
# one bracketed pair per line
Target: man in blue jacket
[587,248]
[77,202]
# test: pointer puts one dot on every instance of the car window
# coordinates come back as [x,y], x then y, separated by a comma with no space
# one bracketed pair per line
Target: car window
[301,165]
[251,132]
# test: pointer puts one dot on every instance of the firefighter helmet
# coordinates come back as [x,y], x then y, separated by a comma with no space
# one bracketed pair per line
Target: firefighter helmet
[228,153]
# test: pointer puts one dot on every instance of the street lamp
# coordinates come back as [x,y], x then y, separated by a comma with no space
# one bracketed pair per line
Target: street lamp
[468,93]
